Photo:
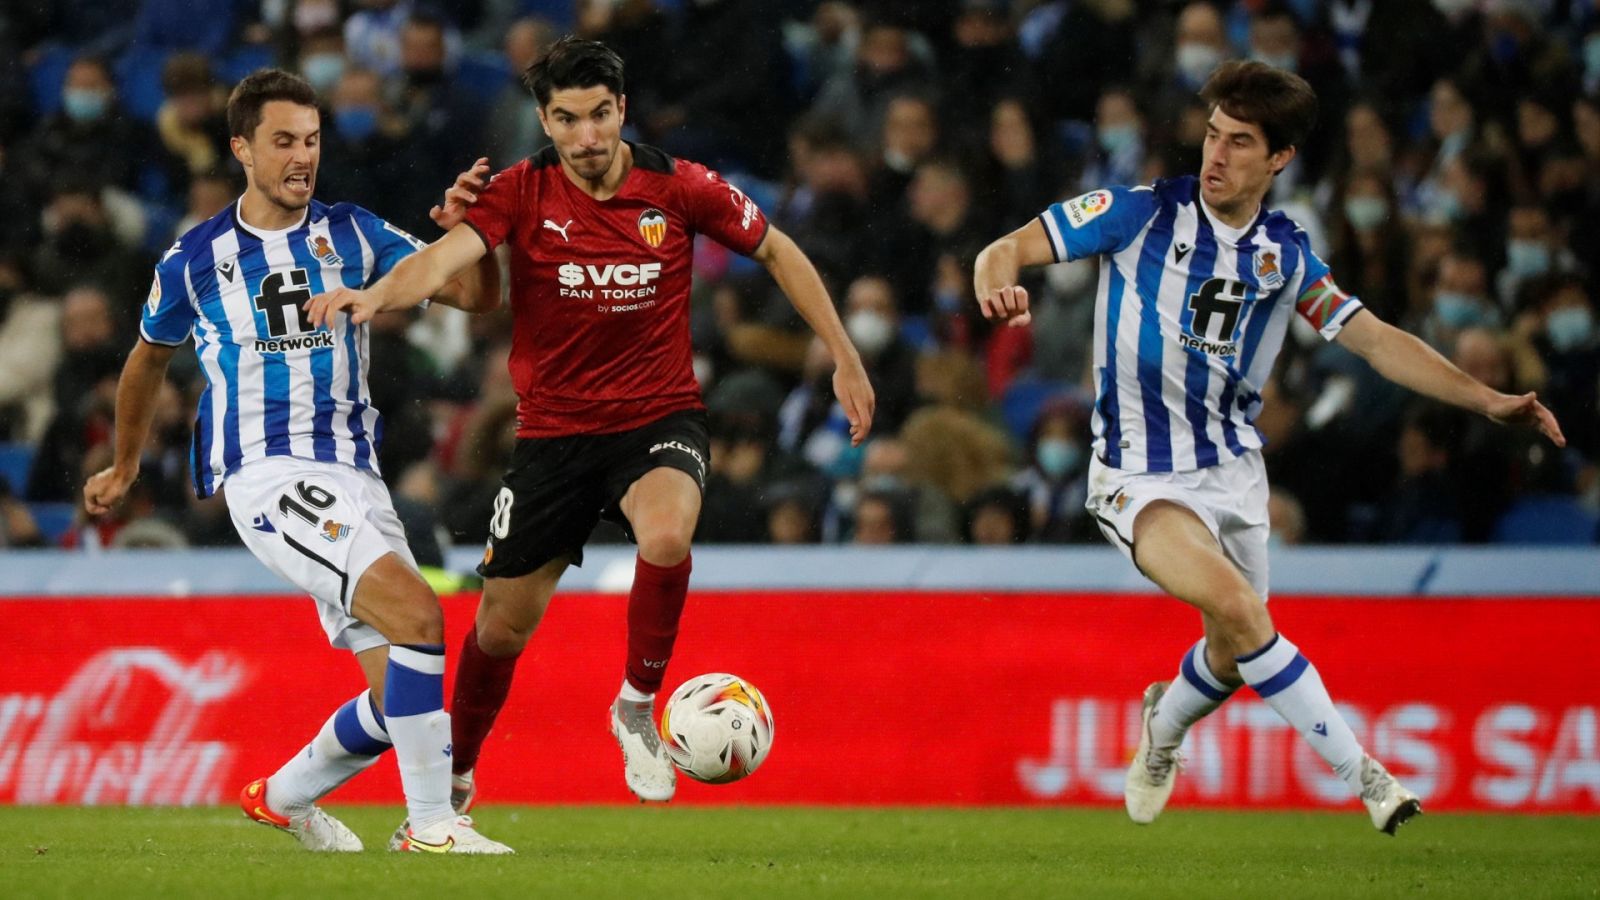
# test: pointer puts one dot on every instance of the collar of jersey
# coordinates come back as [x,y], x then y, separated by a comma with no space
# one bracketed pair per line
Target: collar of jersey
[1223,230]
[263,233]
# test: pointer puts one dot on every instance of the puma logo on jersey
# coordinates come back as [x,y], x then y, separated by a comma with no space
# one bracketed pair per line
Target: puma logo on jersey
[551,224]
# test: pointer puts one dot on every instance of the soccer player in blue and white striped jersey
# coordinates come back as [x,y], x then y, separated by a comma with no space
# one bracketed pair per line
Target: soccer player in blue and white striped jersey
[286,421]
[1198,281]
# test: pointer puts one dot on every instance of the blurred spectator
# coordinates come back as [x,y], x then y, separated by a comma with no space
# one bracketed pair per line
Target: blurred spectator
[513,131]
[372,34]
[1460,300]
[85,394]
[1095,41]
[1200,44]
[80,246]
[885,67]
[17,527]
[1286,518]
[1055,483]
[208,30]
[209,194]
[722,93]
[444,122]
[982,61]
[1368,246]
[954,452]
[89,137]
[191,123]
[942,220]
[997,516]
[30,349]
[881,518]
[824,47]
[1424,507]
[364,154]
[322,59]
[1570,346]
[1118,154]
[793,513]
[872,317]
[1024,177]
[910,135]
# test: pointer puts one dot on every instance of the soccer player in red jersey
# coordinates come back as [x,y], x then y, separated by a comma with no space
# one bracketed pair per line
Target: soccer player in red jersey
[610,423]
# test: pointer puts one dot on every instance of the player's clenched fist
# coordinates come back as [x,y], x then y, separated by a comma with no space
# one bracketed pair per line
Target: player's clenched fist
[1009,303]
[362,306]
[105,489]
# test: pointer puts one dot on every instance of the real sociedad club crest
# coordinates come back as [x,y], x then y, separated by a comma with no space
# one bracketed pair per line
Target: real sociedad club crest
[1267,273]
[653,226]
[322,250]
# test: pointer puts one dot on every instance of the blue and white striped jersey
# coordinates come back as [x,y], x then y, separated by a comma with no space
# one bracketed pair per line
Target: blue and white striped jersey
[1189,317]
[274,387]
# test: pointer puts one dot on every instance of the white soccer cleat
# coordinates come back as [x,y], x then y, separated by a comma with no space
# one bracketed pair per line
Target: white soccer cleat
[455,835]
[315,829]
[1386,799]
[1152,773]
[463,792]
[645,767]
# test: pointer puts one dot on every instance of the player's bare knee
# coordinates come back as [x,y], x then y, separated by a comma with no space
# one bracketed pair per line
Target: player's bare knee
[499,637]
[415,617]
[665,546]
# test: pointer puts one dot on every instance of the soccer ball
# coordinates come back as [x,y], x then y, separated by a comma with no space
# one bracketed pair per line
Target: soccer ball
[717,728]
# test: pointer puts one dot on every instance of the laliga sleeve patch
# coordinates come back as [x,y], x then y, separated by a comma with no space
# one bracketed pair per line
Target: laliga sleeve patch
[153,302]
[1086,208]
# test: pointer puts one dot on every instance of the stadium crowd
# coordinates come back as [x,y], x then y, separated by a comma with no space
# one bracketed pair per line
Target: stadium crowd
[1450,182]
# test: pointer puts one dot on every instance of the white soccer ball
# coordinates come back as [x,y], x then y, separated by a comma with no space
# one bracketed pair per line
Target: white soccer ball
[717,728]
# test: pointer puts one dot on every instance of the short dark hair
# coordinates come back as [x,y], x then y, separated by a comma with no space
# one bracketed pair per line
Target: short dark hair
[258,89]
[574,63]
[1280,102]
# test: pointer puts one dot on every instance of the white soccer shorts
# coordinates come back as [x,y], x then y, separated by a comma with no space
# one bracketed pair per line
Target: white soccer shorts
[1230,498]
[318,525]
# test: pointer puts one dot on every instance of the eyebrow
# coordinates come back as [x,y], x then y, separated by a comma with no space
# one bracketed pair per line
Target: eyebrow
[289,134]
[562,110]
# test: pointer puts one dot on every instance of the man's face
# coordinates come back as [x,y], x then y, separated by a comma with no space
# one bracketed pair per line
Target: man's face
[585,125]
[1236,167]
[281,157]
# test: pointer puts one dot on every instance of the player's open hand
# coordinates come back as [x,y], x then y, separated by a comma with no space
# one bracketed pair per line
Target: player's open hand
[854,390]
[1525,409]
[462,194]
[105,489]
[1008,304]
[362,306]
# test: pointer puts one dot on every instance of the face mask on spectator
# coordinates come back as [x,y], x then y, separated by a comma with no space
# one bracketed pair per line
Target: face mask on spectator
[1114,139]
[1591,58]
[85,104]
[1452,8]
[1058,456]
[1569,328]
[1457,310]
[323,70]
[870,331]
[1365,213]
[1195,62]
[356,123]
[1527,259]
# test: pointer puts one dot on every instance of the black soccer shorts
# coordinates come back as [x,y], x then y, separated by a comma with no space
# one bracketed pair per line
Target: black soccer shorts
[557,489]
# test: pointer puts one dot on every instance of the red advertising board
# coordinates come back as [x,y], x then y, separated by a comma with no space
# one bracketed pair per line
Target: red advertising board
[904,697]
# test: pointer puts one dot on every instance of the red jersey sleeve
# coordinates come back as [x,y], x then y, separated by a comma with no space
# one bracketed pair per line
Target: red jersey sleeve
[500,205]
[720,210]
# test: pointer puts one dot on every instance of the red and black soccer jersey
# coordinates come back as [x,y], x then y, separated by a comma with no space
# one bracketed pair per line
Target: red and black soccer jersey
[600,288]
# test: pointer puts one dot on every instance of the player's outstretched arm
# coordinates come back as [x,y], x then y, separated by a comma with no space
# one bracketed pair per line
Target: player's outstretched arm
[1407,360]
[414,279]
[994,273]
[136,392]
[799,281]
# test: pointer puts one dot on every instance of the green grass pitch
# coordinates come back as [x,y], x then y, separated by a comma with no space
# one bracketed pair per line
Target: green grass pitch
[764,852]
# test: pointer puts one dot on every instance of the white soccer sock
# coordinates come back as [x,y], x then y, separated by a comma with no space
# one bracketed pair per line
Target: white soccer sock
[1188,699]
[351,740]
[1291,686]
[413,707]
[633,694]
